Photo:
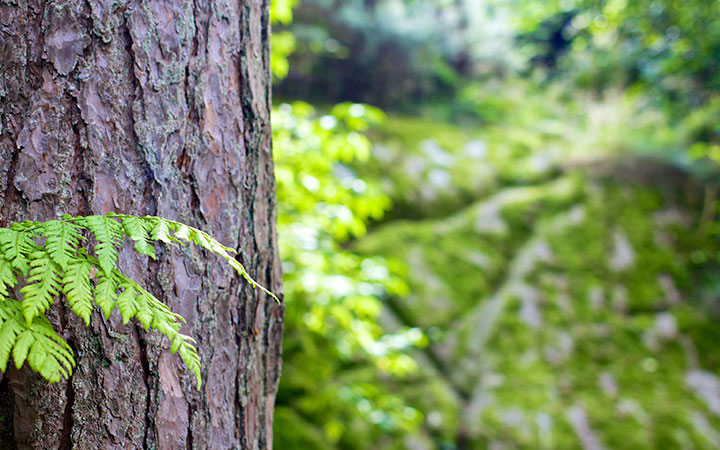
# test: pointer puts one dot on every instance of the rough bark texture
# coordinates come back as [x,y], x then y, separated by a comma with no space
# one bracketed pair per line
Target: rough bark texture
[147,107]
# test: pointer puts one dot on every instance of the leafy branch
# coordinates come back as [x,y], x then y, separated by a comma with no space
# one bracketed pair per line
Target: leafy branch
[43,261]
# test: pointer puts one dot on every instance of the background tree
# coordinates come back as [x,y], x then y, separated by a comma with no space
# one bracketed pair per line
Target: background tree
[147,108]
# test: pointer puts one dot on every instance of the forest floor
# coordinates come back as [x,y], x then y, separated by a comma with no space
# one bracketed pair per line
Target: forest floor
[557,286]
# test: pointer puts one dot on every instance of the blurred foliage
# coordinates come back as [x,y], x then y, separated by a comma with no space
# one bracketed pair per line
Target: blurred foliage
[393,53]
[336,355]
[434,54]
[335,351]
[282,43]
[665,50]
[532,169]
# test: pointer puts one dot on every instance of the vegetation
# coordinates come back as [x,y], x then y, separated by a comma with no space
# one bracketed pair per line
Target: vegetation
[534,233]
[42,261]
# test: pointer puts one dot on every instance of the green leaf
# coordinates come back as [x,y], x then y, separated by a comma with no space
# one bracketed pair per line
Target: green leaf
[16,246]
[7,277]
[144,311]
[189,355]
[153,313]
[37,343]
[43,285]
[62,239]
[137,230]
[9,330]
[77,288]
[105,294]
[160,229]
[126,302]
[108,233]
[61,264]
[22,347]
[198,237]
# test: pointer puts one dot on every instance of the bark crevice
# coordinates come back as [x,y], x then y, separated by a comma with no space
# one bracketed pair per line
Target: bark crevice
[68,422]
[146,376]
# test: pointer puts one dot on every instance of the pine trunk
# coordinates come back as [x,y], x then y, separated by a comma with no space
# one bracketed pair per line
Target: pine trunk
[155,108]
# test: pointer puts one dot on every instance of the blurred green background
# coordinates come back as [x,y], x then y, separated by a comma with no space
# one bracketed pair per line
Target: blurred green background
[498,223]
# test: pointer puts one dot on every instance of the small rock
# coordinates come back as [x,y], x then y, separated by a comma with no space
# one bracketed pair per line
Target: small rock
[623,255]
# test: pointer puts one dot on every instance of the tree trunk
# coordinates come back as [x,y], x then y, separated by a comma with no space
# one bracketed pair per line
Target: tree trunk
[155,108]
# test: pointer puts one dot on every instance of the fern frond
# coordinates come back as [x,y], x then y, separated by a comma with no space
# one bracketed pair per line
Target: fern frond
[16,246]
[7,277]
[153,313]
[160,230]
[106,294]
[9,330]
[204,240]
[77,288]
[43,285]
[126,303]
[137,229]
[199,237]
[62,239]
[108,234]
[144,312]
[240,269]
[50,355]
[182,344]
[50,255]
[45,351]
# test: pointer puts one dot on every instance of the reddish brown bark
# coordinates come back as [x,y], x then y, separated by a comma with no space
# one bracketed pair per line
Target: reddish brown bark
[147,108]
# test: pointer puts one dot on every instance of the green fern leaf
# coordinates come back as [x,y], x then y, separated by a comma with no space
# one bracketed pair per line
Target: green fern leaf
[45,351]
[144,311]
[22,347]
[108,233]
[9,330]
[7,277]
[184,232]
[61,264]
[153,313]
[160,230]
[50,355]
[37,343]
[62,239]
[16,246]
[106,294]
[43,285]
[204,240]
[189,355]
[137,230]
[77,288]
[199,237]
[126,300]
[240,269]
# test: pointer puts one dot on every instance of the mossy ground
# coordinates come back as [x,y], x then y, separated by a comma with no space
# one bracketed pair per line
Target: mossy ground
[559,304]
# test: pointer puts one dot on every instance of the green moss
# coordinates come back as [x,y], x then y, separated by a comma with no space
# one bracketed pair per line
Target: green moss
[291,432]
[591,347]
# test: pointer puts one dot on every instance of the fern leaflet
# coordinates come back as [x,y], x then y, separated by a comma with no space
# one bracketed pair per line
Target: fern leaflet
[105,294]
[109,234]
[62,239]
[16,246]
[44,285]
[137,230]
[7,277]
[45,351]
[77,288]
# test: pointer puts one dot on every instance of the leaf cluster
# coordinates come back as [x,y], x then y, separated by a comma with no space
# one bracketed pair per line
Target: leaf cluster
[41,262]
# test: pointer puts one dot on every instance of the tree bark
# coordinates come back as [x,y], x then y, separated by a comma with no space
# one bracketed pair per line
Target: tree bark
[147,107]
